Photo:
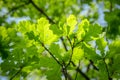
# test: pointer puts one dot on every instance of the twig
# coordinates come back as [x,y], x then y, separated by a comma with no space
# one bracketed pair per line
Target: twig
[79,71]
[65,47]
[70,41]
[77,43]
[16,73]
[72,48]
[67,76]
[64,70]
[14,9]
[50,53]
[41,11]
[91,62]
[111,6]
[94,67]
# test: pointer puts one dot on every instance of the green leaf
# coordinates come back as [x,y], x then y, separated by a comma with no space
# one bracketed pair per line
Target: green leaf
[56,30]
[49,67]
[55,49]
[71,22]
[54,71]
[31,35]
[78,54]
[31,51]
[82,28]
[114,48]
[66,56]
[102,70]
[66,29]
[23,26]
[93,32]
[84,24]
[46,35]
[101,43]
[90,53]
[115,70]
[3,33]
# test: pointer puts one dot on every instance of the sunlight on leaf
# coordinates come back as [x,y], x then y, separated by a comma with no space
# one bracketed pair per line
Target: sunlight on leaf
[71,22]
[78,54]
[46,35]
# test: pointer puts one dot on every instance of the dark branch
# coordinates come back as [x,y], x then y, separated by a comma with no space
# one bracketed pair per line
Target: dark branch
[41,11]
[77,43]
[70,41]
[16,73]
[77,71]
[80,72]
[71,52]
[66,74]
[15,8]
[50,53]
[84,75]
[111,6]
[65,47]
[91,62]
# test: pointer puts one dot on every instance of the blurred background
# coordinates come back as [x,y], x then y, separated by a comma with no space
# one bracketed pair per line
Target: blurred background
[104,12]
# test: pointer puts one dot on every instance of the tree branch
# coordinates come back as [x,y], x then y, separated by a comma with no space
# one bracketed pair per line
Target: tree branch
[41,11]
[72,47]
[16,73]
[50,54]
[65,47]
[14,9]
[64,71]
[111,6]
[91,63]
[79,71]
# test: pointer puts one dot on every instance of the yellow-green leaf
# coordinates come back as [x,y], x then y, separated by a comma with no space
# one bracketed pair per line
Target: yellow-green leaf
[78,54]
[82,28]
[71,22]
[46,35]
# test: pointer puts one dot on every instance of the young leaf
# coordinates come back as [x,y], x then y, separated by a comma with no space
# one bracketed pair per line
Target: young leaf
[71,22]
[24,26]
[46,35]
[82,28]
[78,54]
